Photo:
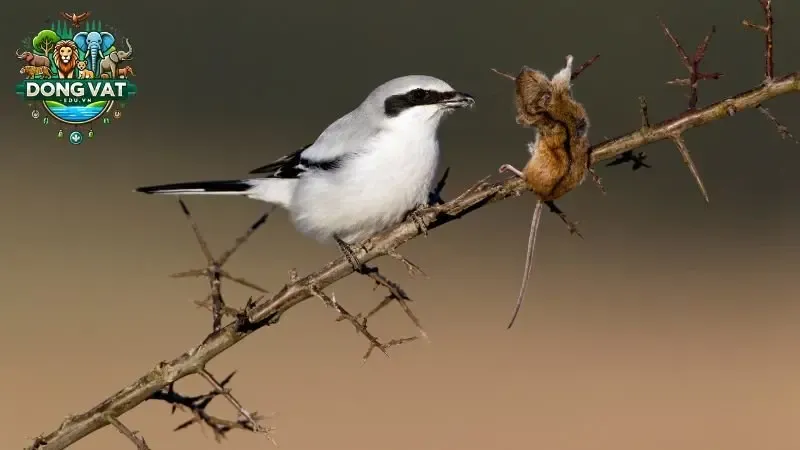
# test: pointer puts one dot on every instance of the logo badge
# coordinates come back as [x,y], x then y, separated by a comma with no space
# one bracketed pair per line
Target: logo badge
[75,72]
[76,137]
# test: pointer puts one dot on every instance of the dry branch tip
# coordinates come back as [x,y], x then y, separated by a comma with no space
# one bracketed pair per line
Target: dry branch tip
[692,64]
[769,61]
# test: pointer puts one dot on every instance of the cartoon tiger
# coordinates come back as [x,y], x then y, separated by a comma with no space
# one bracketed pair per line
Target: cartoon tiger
[32,71]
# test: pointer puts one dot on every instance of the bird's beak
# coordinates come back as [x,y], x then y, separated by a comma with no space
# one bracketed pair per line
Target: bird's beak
[459,100]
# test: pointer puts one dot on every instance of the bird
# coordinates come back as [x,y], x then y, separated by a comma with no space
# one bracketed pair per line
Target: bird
[366,171]
[76,19]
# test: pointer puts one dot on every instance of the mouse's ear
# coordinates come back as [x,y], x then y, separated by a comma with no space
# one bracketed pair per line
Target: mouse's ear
[561,80]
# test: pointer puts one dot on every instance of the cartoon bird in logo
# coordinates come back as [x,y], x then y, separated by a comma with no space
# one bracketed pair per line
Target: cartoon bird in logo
[76,19]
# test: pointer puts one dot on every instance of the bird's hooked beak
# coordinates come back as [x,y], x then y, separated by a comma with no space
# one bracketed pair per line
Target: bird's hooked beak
[458,100]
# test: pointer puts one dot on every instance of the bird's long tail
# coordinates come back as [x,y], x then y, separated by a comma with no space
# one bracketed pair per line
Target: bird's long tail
[276,191]
[537,216]
[223,187]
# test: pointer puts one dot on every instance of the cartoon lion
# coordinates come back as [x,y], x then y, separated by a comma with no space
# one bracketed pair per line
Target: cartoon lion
[83,72]
[65,54]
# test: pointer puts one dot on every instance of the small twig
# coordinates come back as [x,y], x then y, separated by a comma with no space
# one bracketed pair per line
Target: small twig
[584,66]
[644,113]
[227,310]
[252,419]
[769,62]
[138,441]
[678,140]
[384,347]
[198,405]
[782,129]
[597,180]
[359,325]
[397,294]
[637,159]
[413,269]
[383,303]
[214,273]
[692,64]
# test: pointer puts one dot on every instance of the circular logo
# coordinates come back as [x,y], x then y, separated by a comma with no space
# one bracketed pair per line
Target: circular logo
[76,137]
[117,114]
[35,113]
[77,114]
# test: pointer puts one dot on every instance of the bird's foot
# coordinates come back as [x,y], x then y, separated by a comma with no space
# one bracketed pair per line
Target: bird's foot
[349,253]
[416,215]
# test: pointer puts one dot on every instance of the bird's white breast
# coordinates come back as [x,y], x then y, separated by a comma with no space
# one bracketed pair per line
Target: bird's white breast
[371,190]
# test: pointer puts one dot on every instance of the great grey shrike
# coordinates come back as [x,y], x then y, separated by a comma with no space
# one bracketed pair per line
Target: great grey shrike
[366,171]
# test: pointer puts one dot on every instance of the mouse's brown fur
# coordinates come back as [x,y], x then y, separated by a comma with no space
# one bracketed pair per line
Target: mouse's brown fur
[560,153]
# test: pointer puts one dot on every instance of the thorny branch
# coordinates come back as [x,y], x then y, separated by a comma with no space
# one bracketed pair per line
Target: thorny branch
[158,383]
[197,406]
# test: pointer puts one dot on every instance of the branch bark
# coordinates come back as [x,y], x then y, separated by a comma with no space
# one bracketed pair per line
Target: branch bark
[269,312]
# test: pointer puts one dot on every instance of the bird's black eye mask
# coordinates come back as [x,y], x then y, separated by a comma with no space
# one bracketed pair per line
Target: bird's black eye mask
[396,104]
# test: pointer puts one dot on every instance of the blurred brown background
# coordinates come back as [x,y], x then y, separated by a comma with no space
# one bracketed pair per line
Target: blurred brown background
[673,325]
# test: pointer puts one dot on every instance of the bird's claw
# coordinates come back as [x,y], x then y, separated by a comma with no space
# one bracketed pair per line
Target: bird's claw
[348,253]
[416,216]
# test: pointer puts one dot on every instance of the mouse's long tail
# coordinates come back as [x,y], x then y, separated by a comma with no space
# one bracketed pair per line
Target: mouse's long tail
[537,217]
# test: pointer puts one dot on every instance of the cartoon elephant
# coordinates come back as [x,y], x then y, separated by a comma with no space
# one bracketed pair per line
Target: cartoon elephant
[109,63]
[94,45]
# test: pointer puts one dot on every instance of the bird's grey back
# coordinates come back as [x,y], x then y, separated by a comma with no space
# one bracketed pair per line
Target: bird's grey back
[350,132]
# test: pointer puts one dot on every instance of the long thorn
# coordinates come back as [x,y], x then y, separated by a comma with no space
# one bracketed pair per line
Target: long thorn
[678,140]
[199,236]
[244,237]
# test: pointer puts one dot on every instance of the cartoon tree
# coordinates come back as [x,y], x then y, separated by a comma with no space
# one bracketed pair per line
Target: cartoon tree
[45,41]
[99,25]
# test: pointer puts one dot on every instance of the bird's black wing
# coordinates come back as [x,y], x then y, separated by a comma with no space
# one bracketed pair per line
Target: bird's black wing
[293,165]
[288,166]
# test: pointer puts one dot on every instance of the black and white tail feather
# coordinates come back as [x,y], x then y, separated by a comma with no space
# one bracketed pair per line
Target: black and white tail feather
[289,167]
